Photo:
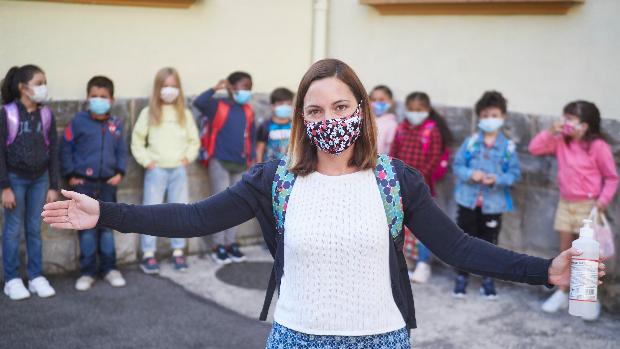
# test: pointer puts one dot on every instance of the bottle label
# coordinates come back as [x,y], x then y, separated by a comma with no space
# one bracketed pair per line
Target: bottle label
[583,280]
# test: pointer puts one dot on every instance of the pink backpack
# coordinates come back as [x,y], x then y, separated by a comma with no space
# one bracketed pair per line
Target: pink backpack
[440,171]
[12,122]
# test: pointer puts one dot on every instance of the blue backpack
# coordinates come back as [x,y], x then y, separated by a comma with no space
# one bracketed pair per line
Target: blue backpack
[389,187]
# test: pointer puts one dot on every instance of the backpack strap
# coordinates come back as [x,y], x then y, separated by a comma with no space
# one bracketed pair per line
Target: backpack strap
[46,123]
[427,130]
[389,187]
[12,122]
[471,148]
[247,136]
[221,115]
[281,189]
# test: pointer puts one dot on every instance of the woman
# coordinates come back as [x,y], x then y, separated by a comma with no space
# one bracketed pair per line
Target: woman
[344,282]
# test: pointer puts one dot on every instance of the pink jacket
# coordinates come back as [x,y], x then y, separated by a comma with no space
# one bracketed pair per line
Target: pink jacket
[386,129]
[582,174]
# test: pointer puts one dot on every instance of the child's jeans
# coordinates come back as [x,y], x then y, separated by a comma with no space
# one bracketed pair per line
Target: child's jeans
[159,183]
[97,241]
[480,225]
[220,179]
[30,197]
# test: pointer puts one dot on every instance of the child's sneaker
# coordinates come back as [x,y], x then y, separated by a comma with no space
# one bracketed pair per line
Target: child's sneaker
[149,265]
[220,256]
[115,278]
[460,287]
[557,301]
[16,290]
[487,289]
[421,274]
[235,253]
[41,287]
[179,263]
[84,283]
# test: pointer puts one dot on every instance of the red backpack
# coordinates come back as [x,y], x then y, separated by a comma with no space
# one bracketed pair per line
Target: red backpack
[440,171]
[210,129]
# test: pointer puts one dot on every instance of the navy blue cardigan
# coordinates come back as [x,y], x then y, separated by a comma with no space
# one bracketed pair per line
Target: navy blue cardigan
[251,197]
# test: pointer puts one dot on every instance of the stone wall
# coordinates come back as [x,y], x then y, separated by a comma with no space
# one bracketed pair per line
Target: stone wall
[529,228]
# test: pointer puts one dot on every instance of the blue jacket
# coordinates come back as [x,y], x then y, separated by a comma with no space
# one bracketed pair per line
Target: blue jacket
[501,160]
[229,145]
[93,149]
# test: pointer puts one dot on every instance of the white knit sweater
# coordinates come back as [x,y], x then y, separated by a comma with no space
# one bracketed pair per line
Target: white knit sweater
[336,258]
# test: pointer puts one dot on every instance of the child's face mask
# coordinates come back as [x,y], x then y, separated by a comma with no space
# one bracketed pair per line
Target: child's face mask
[38,94]
[490,125]
[169,94]
[98,105]
[283,111]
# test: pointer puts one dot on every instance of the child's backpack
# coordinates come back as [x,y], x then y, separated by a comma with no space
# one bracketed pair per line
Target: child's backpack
[12,122]
[389,187]
[442,168]
[472,148]
[209,129]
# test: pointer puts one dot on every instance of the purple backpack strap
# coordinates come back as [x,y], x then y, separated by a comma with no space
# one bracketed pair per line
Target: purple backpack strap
[46,123]
[12,122]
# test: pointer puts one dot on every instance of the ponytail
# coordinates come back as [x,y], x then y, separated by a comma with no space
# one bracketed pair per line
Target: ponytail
[10,84]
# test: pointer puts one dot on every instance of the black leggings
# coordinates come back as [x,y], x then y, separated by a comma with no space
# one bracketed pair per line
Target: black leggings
[478,224]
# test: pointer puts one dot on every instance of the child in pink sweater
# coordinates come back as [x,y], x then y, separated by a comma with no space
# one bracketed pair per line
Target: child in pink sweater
[382,103]
[587,175]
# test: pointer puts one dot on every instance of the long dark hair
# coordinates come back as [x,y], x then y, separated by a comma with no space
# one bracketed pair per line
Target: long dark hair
[588,113]
[303,153]
[15,76]
[446,134]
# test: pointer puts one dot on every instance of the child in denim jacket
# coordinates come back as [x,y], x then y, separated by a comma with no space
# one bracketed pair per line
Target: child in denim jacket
[485,167]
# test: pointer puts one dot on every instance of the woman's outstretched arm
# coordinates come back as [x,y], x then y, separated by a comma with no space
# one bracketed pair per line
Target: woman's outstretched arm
[227,209]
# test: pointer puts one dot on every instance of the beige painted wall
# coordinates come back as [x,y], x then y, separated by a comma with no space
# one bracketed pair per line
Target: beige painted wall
[539,62]
[269,39]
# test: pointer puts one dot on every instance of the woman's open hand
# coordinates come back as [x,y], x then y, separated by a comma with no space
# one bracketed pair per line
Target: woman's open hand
[80,212]
[559,270]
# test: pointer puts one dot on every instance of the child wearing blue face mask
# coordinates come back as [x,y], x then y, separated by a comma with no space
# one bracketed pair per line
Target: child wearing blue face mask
[273,134]
[485,167]
[382,103]
[227,147]
[93,155]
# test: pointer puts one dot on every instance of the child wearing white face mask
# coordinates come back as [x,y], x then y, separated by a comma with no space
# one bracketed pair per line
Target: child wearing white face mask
[164,141]
[273,134]
[422,141]
[29,175]
[485,167]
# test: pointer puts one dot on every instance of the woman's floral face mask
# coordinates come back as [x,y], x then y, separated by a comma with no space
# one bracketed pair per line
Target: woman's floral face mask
[334,136]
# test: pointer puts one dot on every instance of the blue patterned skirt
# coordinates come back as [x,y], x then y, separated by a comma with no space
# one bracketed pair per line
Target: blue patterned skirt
[285,338]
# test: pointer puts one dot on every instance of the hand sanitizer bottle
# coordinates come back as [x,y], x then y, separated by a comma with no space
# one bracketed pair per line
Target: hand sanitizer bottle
[584,274]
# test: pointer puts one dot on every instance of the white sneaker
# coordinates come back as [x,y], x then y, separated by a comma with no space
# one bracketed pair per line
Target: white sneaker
[16,290]
[421,274]
[115,278]
[596,314]
[84,283]
[41,287]
[557,301]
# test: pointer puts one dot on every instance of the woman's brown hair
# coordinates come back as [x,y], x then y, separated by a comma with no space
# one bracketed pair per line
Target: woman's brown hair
[302,152]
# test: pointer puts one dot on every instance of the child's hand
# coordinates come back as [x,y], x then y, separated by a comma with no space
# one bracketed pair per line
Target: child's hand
[114,181]
[8,198]
[151,166]
[52,195]
[74,181]
[477,176]
[556,127]
[221,85]
[489,179]
[601,206]
[185,162]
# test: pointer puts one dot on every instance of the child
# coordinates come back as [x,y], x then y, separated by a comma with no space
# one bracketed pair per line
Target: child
[421,141]
[93,155]
[382,103]
[164,141]
[587,175]
[228,146]
[28,174]
[485,167]
[272,136]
